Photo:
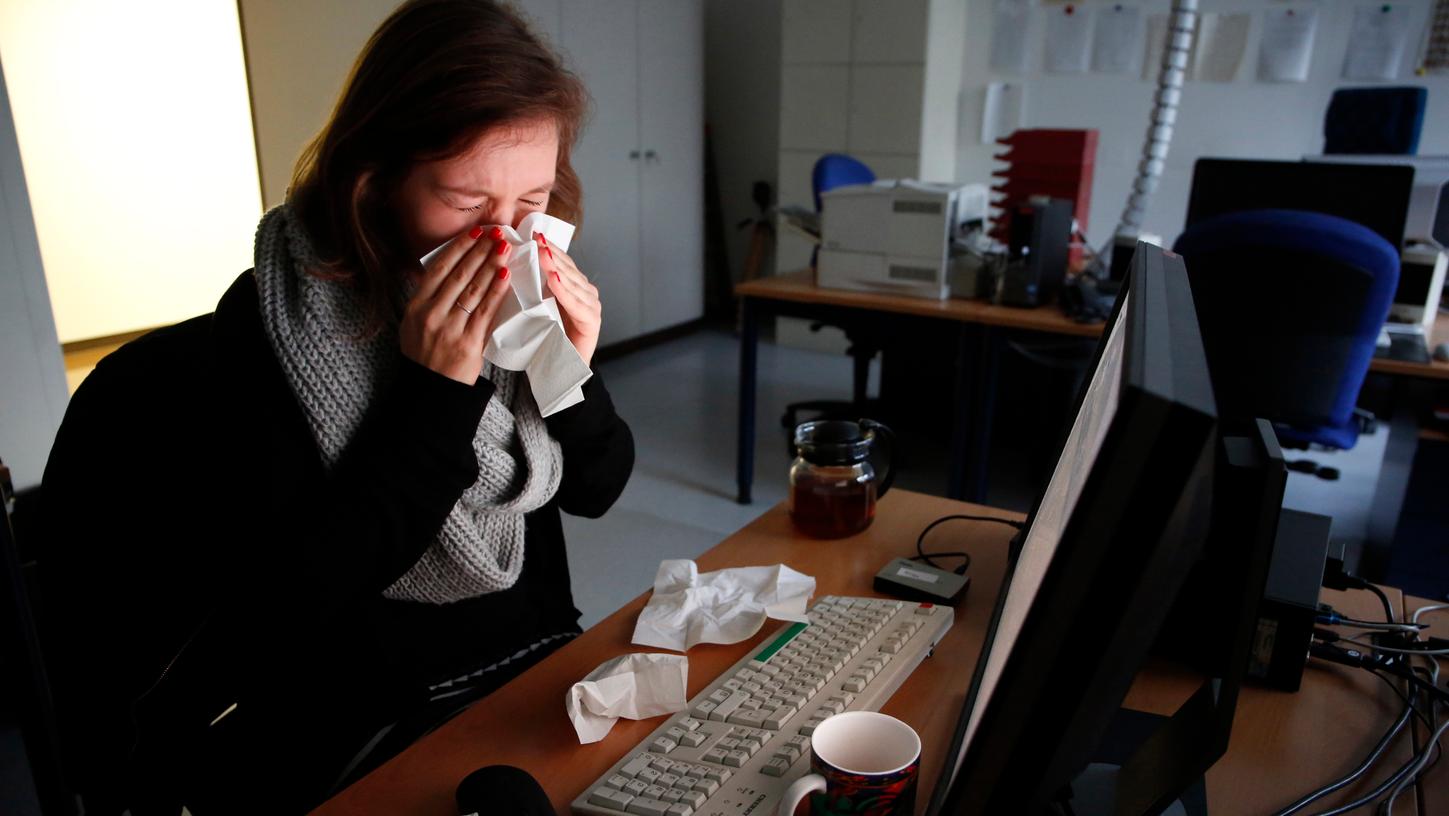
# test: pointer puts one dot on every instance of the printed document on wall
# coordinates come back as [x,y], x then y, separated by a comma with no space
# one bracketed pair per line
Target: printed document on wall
[1377,42]
[1068,37]
[1287,46]
[1156,41]
[1222,42]
[1117,39]
[1008,36]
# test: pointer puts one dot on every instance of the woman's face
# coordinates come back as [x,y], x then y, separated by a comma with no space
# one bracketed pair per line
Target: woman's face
[506,174]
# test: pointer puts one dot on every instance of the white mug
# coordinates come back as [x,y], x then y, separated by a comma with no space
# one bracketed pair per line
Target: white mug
[861,762]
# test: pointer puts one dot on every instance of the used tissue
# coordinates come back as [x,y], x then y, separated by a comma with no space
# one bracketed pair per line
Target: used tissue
[725,606]
[636,686]
[528,332]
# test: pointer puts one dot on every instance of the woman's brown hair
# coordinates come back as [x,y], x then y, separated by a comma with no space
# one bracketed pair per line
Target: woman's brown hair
[434,77]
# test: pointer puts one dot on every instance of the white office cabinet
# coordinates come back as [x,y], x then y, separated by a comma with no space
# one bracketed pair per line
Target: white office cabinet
[640,157]
[671,189]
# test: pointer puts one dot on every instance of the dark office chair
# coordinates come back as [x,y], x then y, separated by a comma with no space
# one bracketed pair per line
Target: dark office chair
[1377,121]
[1290,305]
[22,667]
[839,170]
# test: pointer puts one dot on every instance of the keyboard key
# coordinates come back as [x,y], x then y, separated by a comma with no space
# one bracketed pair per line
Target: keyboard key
[802,744]
[647,807]
[617,782]
[655,792]
[810,725]
[789,753]
[751,744]
[720,695]
[726,708]
[718,774]
[671,796]
[635,765]
[680,809]
[689,723]
[707,786]
[890,647]
[662,765]
[732,684]
[610,798]
[854,683]
[775,767]
[648,776]
[727,744]
[668,780]
[663,745]
[693,798]
[753,717]
[736,759]
[687,783]
[714,755]
[635,788]
[777,720]
[704,709]
[694,739]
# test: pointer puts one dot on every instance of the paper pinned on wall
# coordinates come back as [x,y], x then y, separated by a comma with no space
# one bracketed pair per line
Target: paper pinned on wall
[1221,44]
[1116,38]
[1068,38]
[1001,112]
[1377,41]
[1008,36]
[1156,41]
[1286,49]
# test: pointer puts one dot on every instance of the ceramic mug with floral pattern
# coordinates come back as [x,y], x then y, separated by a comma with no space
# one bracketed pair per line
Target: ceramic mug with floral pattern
[863,763]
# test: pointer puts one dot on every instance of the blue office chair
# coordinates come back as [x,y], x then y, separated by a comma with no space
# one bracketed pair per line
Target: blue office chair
[1377,121]
[1290,305]
[839,170]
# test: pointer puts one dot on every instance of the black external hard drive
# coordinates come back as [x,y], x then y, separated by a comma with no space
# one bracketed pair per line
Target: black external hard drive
[915,581]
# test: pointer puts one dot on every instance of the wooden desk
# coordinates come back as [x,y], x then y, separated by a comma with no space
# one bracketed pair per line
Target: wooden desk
[795,294]
[1283,744]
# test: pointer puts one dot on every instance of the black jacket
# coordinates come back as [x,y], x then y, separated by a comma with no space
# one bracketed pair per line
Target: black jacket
[198,556]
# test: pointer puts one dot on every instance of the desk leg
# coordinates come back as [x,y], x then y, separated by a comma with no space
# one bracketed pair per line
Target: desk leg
[749,347]
[1409,397]
[984,410]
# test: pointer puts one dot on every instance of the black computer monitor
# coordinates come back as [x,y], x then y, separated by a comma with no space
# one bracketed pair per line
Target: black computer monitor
[1375,195]
[1099,563]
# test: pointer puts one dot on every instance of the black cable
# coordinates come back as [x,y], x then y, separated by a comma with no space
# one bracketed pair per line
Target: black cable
[1388,607]
[961,570]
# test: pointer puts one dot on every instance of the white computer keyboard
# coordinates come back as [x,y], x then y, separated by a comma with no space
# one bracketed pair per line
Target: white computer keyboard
[742,740]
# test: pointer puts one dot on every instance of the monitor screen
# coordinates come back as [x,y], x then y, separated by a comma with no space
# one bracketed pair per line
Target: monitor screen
[1088,432]
[1375,195]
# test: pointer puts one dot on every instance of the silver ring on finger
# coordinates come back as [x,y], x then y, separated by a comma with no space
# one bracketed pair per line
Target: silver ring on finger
[461,306]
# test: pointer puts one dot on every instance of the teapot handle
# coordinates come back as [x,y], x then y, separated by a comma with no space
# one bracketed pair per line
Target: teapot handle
[888,438]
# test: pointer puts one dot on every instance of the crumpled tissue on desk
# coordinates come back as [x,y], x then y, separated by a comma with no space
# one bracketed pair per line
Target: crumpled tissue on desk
[724,606]
[637,686]
[528,332]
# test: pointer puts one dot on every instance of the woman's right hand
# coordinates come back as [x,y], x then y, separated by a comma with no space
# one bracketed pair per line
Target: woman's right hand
[449,319]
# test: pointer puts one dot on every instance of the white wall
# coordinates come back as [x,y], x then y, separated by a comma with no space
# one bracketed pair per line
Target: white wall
[135,132]
[33,396]
[1244,118]
[742,108]
[298,56]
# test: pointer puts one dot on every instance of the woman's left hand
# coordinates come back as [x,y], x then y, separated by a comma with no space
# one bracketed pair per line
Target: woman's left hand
[577,298]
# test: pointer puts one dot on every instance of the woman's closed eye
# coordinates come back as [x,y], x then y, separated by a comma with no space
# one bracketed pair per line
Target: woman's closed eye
[479,205]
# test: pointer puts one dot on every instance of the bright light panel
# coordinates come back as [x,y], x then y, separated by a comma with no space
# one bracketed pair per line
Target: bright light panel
[135,132]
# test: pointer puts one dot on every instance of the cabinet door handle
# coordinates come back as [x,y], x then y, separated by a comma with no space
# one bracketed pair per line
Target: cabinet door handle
[650,155]
[634,154]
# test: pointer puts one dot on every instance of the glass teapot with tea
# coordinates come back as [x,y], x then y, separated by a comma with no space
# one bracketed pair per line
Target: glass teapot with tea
[833,483]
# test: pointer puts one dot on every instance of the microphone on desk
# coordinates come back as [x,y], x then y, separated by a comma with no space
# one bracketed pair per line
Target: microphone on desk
[502,789]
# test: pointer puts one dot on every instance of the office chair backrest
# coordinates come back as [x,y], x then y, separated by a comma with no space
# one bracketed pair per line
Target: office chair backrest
[1290,304]
[1379,121]
[837,170]
[23,675]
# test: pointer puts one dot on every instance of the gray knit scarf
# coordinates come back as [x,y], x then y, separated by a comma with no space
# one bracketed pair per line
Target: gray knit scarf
[337,370]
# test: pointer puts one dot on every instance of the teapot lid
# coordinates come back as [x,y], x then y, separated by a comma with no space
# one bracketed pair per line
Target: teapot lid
[833,442]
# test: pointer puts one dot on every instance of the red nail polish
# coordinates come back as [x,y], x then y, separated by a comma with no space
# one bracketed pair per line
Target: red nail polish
[501,248]
[556,277]
[503,273]
[541,238]
[496,234]
[475,232]
[549,251]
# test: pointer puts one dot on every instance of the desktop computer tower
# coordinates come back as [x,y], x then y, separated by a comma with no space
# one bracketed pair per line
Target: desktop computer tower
[1040,233]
